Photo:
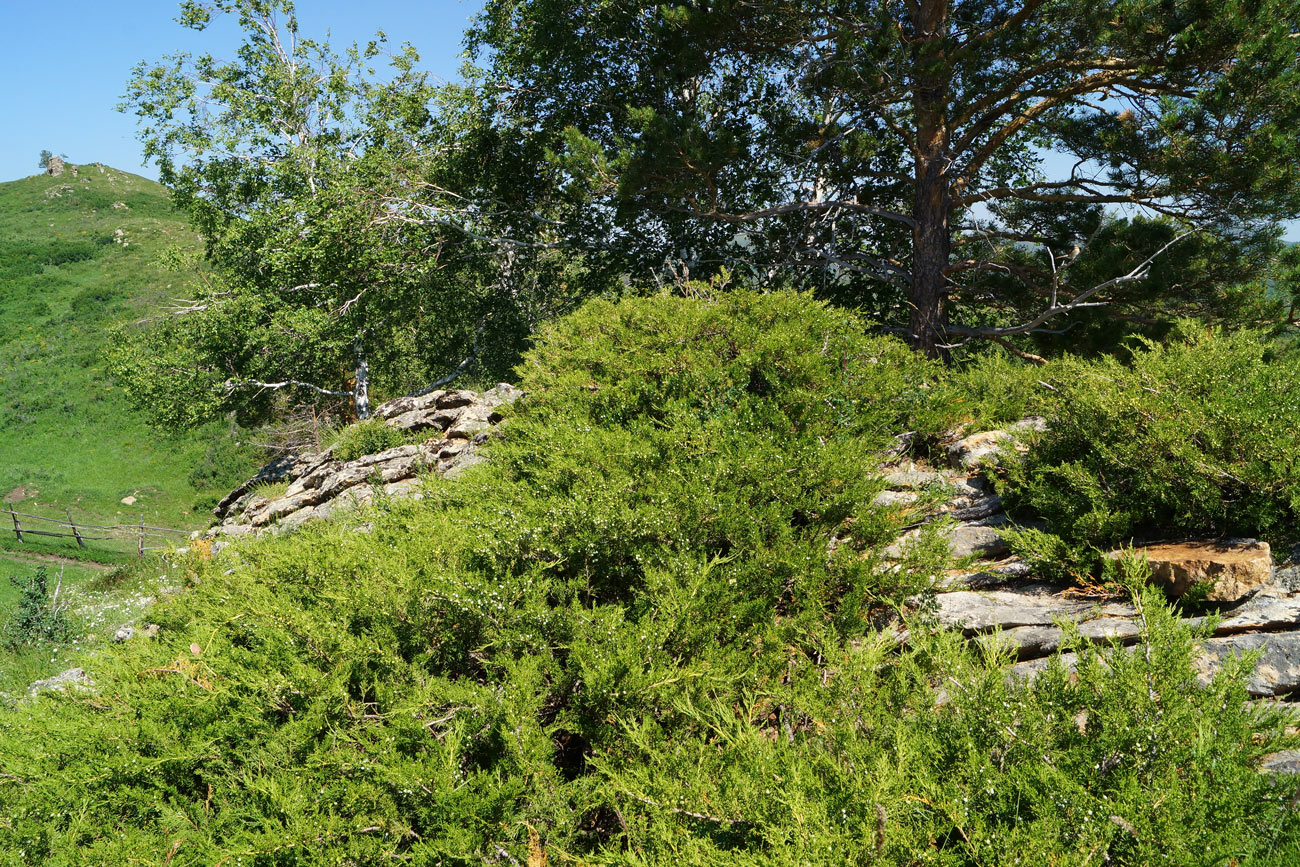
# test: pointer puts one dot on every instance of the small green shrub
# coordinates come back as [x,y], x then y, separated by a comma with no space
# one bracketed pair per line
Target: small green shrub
[227,459]
[366,438]
[1195,437]
[1052,558]
[97,302]
[993,390]
[23,259]
[38,617]
[738,430]
[269,490]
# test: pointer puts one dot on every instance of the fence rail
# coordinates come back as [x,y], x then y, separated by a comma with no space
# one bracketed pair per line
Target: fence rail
[137,533]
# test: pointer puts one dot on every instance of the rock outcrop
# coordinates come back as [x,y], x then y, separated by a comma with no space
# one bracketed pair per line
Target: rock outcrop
[1229,569]
[969,452]
[456,422]
[70,679]
[993,598]
[997,599]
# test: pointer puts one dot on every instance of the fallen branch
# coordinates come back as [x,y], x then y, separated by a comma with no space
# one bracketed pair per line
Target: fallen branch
[1018,353]
[679,811]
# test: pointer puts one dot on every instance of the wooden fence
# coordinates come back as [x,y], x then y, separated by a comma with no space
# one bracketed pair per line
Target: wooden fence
[83,532]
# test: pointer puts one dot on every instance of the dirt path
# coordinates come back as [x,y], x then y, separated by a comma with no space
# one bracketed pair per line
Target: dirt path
[36,557]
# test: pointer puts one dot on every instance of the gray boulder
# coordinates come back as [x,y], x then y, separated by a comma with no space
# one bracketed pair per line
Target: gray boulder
[69,679]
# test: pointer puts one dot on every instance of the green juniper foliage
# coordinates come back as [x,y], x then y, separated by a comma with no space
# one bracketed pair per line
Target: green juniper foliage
[640,634]
[366,438]
[1195,436]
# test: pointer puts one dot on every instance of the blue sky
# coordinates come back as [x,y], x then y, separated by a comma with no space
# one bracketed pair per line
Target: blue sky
[65,64]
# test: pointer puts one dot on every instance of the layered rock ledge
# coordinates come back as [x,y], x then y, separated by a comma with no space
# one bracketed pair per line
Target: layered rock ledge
[997,598]
[456,423]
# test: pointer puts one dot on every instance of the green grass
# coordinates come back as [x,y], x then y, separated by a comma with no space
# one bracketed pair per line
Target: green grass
[98,600]
[74,576]
[79,257]
[103,553]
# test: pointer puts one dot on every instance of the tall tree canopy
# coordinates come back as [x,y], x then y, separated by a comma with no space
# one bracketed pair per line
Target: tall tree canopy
[348,220]
[893,150]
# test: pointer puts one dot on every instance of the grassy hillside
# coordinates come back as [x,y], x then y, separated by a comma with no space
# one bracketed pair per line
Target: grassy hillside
[79,256]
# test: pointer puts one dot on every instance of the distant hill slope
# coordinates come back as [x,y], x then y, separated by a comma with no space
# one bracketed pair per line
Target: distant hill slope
[79,255]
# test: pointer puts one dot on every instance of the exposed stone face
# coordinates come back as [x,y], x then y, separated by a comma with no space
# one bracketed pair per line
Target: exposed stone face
[72,678]
[403,405]
[453,399]
[913,480]
[969,501]
[1278,669]
[1276,674]
[1035,605]
[1232,569]
[980,539]
[888,499]
[970,540]
[1261,613]
[458,422]
[466,426]
[1035,642]
[1281,762]
[969,452]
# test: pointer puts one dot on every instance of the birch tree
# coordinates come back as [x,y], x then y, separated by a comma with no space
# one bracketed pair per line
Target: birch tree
[336,254]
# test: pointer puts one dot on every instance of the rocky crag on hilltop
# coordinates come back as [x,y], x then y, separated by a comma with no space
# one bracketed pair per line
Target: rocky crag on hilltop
[456,422]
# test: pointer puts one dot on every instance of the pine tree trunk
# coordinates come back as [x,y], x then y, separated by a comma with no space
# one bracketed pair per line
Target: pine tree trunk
[931,245]
[931,236]
[361,392]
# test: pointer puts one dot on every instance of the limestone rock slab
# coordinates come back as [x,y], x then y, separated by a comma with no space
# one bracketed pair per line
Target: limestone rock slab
[319,484]
[453,399]
[467,426]
[913,480]
[1261,614]
[1278,669]
[970,540]
[974,612]
[969,452]
[70,679]
[1035,642]
[403,405]
[1281,762]
[894,499]
[1233,569]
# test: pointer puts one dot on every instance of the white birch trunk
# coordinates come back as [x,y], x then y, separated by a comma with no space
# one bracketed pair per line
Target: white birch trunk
[361,392]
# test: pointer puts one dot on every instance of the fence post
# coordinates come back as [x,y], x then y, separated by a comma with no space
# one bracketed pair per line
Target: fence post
[18,528]
[139,551]
[80,541]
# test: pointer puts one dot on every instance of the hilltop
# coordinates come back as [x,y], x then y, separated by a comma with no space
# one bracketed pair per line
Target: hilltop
[660,623]
[80,256]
